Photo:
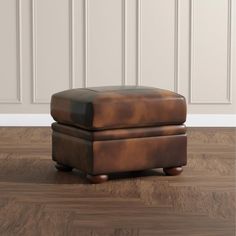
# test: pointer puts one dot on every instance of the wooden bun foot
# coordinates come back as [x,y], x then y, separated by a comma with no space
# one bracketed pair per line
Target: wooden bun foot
[97,179]
[173,171]
[62,167]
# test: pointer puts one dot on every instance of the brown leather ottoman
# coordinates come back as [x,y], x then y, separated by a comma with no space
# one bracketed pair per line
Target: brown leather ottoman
[104,130]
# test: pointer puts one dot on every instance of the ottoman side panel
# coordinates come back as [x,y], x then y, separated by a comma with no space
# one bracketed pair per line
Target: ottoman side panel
[140,153]
[72,151]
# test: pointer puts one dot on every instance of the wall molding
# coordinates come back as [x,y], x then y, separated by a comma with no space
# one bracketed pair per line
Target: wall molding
[176,48]
[72,42]
[193,120]
[124,42]
[18,100]
[138,40]
[85,80]
[35,100]
[229,51]
[176,44]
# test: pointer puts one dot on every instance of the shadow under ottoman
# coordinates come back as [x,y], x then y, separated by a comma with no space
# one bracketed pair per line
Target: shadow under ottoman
[121,128]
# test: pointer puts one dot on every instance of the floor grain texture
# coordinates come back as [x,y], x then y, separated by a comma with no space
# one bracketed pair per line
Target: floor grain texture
[35,199]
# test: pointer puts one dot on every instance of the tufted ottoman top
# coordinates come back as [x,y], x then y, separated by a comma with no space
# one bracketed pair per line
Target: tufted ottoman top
[99,108]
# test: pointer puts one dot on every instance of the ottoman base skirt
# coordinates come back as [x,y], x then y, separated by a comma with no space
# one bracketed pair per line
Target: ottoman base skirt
[99,153]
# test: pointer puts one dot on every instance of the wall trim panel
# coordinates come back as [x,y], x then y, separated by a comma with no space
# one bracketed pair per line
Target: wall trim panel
[35,100]
[18,57]
[72,43]
[176,45]
[229,51]
[187,46]
[138,72]
[124,42]
[85,81]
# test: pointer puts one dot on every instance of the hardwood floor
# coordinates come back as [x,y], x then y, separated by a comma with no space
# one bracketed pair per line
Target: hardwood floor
[35,199]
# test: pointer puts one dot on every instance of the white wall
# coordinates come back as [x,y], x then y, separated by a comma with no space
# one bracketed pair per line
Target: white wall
[187,46]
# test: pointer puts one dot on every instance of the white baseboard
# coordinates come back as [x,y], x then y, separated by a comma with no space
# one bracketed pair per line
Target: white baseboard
[211,120]
[25,120]
[193,120]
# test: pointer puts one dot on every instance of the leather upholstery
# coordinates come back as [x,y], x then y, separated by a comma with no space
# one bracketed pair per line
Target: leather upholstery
[118,107]
[115,134]
[108,156]
[122,128]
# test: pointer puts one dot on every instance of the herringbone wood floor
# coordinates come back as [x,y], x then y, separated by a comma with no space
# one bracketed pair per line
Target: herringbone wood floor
[35,199]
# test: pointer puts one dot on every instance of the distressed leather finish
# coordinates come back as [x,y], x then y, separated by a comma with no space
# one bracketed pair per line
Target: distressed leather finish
[115,134]
[122,128]
[139,154]
[108,156]
[72,151]
[118,107]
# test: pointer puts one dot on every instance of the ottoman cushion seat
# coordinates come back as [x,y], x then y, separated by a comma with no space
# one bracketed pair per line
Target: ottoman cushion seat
[118,107]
